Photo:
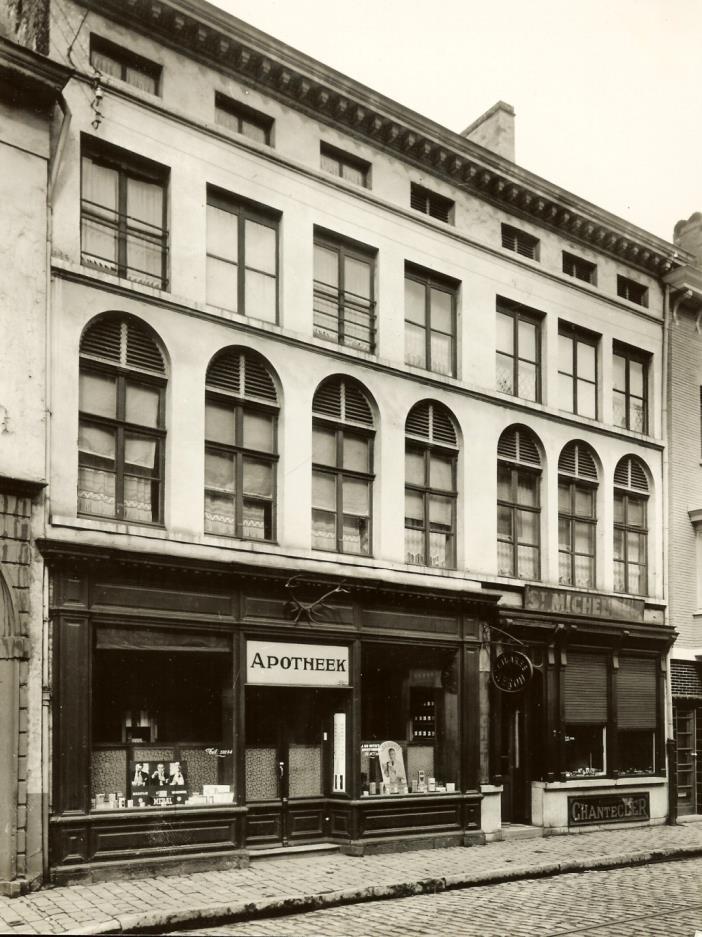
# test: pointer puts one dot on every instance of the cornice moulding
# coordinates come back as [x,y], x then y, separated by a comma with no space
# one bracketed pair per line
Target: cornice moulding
[231,45]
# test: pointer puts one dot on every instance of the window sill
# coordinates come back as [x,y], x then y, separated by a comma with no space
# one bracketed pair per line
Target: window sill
[113,526]
[655,780]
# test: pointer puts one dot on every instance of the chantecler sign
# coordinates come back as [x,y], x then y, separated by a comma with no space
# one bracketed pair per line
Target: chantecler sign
[280,663]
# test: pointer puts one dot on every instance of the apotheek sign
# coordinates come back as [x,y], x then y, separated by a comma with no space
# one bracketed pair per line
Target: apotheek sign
[512,671]
[278,663]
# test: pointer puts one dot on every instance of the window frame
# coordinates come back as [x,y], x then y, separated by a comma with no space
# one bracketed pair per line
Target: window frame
[243,112]
[126,59]
[573,518]
[580,268]
[431,281]
[346,161]
[513,505]
[340,474]
[120,427]
[629,354]
[345,248]
[580,337]
[437,206]
[521,313]
[522,243]
[632,291]
[427,448]
[245,210]
[127,166]
[239,406]
[625,527]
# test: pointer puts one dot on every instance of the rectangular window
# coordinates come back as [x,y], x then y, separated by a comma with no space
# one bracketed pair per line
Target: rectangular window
[576,533]
[630,388]
[243,119]
[577,371]
[637,715]
[430,322]
[518,350]
[123,215]
[518,521]
[585,692]
[242,257]
[631,290]
[344,165]
[630,543]
[344,306]
[113,60]
[579,268]
[520,242]
[431,203]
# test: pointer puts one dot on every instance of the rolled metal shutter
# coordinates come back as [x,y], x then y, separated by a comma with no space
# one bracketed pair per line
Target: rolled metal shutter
[585,689]
[637,693]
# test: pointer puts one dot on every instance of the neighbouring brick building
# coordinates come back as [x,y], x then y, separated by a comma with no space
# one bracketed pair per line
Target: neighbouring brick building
[356,463]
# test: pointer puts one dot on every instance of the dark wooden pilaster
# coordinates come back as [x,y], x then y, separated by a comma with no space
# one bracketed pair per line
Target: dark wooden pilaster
[71,755]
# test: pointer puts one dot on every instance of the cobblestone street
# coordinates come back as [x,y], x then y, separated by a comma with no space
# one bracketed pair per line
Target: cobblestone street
[662,900]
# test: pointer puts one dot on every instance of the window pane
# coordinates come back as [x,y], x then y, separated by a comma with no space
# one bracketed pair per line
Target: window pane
[324,491]
[528,562]
[260,246]
[100,186]
[140,453]
[527,380]
[440,512]
[353,174]
[584,537]
[356,498]
[323,446]
[95,441]
[330,164]
[259,431]
[323,530]
[619,373]
[415,346]
[565,392]
[96,491]
[618,544]
[222,284]
[527,340]
[505,333]
[219,514]
[527,489]
[564,499]
[140,79]
[637,415]
[637,579]
[222,233]
[619,409]
[105,64]
[441,353]
[258,478]
[527,527]
[356,453]
[326,266]
[326,317]
[144,260]
[635,514]
[253,131]
[504,482]
[219,471]
[140,499]
[618,507]
[504,522]
[260,298]
[619,580]
[634,546]
[357,277]
[98,394]
[256,520]
[414,508]
[145,203]
[99,244]
[565,575]
[355,535]
[142,405]
[564,528]
[505,559]
[636,378]
[587,399]
[441,472]
[414,467]
[505,374]
[220,424]
[584,571]
[584,501]
[441,310]
[415,302]
[414,546]
[565,354]
[440,549]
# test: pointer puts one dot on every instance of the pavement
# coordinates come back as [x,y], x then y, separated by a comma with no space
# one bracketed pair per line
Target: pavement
[273,886]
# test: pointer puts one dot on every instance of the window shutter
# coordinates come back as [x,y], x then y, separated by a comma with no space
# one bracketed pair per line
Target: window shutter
[241,372]
[636,693]
[629,473]
[519,241]
[342,400]
[418,421]
[122,341]
[418,198]
[142,352]
[257,379]
[432,422]
[585,689]
[103,340]
[576,459]
[224,372]
[519,445]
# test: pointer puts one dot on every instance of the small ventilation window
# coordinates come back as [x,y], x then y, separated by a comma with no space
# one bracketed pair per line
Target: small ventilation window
[433,422]
[576,459]
[579,268]
[518,444]
[631,290]
[243,373]
[243,119]
[342,399]
[123,341]
[520,242]
[630,473]
[431,203]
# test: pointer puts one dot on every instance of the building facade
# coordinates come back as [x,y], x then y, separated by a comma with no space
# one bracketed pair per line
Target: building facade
[357,467]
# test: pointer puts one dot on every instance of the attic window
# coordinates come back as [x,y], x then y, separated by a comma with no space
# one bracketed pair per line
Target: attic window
[110,59]
[631,290]
[579,268]
[520,242]
[243,119]
[430,203]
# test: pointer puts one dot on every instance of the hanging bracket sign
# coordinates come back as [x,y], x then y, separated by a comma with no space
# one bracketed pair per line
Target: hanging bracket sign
[281,663]
[512,671]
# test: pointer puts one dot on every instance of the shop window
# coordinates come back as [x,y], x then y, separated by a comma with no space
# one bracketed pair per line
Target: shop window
[577,371]
[630,388]
[108,58]
[344,165]
[585,690]
[162,717]
[243,119]
[242,256]
[630,527]
[121,424]
[430,322]
[518,348]
[123,214]
[344,305]
[637,715]
[241,450]
[342,467]
[431,203]
[431,456]
[409,725]
[577,516]
[518,504]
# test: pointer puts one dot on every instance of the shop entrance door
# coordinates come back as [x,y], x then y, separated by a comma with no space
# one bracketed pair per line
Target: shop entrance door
[688,739]
[295,757]
[516,806]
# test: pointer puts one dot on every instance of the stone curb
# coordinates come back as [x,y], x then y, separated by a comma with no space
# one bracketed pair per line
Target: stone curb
[219,913]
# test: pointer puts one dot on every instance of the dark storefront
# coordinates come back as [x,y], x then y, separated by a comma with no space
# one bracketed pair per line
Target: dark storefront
[200,713]
[687,717]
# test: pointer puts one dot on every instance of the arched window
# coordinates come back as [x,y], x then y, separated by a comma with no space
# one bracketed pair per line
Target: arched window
[121,432]
[431,455]
[518,504]
[630,527]
[241,422]
[577,515]
[342,467]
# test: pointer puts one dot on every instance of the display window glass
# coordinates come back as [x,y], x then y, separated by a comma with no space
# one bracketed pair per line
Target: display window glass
[637,751]
[162,722]
[585,751]
[409,725]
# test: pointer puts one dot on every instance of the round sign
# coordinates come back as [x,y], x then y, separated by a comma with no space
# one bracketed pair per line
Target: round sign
[512,671]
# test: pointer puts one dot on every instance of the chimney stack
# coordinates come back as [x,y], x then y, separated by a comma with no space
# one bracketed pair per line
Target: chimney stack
[494,130]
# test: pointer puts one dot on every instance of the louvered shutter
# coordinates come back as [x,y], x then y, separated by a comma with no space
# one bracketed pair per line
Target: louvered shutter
[418,421]
[577,460]
[342,400]
[518,444]
[241,372]
[585,689]
[637,693]
[123,341]
[432,422]
[257,379]
[630,473]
